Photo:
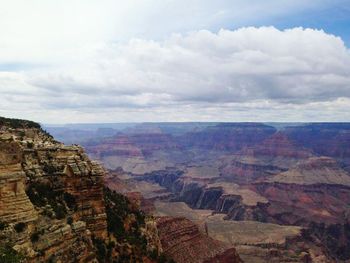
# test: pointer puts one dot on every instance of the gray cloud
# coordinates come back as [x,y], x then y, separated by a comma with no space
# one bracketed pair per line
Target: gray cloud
[297,65]
[250,72]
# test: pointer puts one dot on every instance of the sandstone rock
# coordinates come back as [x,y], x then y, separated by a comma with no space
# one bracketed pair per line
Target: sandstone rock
[182,241]
[30,158]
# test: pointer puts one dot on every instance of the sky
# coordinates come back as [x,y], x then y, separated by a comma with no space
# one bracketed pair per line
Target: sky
[96,61]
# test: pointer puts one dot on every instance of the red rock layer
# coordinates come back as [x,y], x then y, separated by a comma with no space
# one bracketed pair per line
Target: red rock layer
[119,145]
[228,136]
[278,145]
[294,204]
[182,241]
[31,160]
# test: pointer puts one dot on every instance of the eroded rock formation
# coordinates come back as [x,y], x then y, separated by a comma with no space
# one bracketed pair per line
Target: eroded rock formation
[182,240]
[43,183]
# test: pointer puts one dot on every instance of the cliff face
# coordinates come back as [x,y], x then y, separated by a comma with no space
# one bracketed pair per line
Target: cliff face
[54,206]
[329,139]
[14,203]
[227,136]
[255,163]
[51,196]
[182,241]
[294,204]
[247,171]
[119,145]
[315,170]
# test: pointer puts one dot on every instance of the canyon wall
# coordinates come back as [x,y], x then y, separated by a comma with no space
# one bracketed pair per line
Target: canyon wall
[51,196]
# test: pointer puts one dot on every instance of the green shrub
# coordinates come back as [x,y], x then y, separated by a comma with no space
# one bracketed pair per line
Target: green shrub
[20,227]
[35,237]
[60,211]
[18,123]
[49,169]
[69,220]
[42,194]
[9,255]
[119,210]
[70,201]
[3,225]
[101,249]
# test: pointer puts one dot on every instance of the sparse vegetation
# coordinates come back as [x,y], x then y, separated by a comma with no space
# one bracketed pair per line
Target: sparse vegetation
[34,237]
[125,222]
[42,194]
[9,255]
[3,225]
[70,201]
[19,227]
[60,211]
[18,123]
[49,169]
[69,220]
[335,237]
[101,249]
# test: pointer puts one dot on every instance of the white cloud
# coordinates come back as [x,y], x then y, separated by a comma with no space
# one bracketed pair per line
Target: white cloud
[299,65]
[89,60]
[250,73]
[51,31]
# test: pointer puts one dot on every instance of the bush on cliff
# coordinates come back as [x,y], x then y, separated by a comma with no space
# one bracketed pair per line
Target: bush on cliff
[18,123]
[42,194]
[9,255]
[70,201]
[19,227]
[335,238]
[125,222]
[3,225]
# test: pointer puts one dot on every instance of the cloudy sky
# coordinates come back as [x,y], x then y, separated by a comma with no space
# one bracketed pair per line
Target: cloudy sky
[175,60]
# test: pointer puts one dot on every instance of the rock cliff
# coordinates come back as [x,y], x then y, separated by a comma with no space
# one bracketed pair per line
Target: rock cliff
[51,196]
[54,207]
[182,240]
[227,136]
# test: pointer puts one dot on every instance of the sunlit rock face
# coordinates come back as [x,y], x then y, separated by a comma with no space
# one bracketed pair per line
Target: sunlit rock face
[51,196]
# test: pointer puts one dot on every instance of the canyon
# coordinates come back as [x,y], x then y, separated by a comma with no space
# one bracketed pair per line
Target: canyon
[55,206]
[278,192]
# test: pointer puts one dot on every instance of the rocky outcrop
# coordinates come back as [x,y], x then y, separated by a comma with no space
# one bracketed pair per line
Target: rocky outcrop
[315,170]
[335,238]
[326,139]
[135,145]
[245,171]
[151,142]
[15,205]
[227,136]
[118,145]
[293,204]
[274,155]
[68,169]
[278,145]
[238,203]
[182,241]
[51,196]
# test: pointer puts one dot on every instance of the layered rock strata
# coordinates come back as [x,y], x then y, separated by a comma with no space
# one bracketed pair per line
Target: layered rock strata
[51,197]
[182,241]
